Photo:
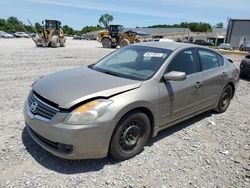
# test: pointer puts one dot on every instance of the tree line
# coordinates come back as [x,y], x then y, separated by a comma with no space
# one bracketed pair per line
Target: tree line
[193,26]
[12,24]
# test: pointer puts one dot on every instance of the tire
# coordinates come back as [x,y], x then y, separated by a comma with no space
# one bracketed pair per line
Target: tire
[225,99]
[124,42]
[113,46]
[55,42]
[106,43]
[130,136]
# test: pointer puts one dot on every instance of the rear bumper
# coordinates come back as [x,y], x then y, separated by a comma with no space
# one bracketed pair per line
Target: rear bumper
[70,141]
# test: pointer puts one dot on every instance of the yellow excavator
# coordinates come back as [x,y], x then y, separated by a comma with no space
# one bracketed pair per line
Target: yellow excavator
[51,35]
[114,36]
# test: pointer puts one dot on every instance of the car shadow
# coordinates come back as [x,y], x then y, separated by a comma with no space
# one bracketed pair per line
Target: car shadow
[65,166]
[180,126]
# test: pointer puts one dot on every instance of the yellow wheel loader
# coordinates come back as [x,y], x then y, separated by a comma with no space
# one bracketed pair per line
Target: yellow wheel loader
[51,35]
[114,36]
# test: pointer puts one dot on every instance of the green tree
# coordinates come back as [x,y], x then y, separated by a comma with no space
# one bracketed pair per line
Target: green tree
[219,25]
[38,27]
[193,26]
[105,20]
[68,30]
[90,29]
[13,25]
[2,24]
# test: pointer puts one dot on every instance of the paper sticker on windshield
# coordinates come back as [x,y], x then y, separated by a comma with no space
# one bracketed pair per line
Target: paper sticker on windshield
[153,54]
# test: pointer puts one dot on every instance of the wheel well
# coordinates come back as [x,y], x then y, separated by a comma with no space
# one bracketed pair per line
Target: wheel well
[232,85]
[139,109]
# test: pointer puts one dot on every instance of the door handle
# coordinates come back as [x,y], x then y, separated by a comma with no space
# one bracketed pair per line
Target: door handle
[224,74]
[197,84]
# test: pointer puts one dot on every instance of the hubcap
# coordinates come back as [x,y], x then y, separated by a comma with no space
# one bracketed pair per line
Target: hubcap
[130,136]
[225,99]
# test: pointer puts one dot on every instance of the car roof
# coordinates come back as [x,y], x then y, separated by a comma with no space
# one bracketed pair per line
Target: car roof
[166,45]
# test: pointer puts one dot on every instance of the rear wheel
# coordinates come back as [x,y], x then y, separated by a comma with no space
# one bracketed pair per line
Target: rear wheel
[225,99]
[130,137]
[106,43]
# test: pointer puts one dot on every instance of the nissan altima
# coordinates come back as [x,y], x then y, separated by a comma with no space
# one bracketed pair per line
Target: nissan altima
[113,107]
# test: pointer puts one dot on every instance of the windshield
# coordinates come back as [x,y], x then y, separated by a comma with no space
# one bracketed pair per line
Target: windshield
[133,62]
[247,44]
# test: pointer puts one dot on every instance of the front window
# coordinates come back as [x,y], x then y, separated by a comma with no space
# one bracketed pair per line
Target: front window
[133,62]
[185,61]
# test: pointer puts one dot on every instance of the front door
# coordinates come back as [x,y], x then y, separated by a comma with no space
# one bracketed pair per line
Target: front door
[181,98]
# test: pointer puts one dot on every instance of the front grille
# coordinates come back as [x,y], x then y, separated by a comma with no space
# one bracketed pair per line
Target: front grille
[39,107]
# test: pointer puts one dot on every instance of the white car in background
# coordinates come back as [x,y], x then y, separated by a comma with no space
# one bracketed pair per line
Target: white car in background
[5,35]
[166,40]
[21,35]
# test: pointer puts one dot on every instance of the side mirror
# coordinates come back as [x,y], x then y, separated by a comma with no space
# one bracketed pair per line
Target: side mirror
[175,76]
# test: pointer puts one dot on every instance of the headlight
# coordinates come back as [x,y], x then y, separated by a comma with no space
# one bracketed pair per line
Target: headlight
[87,113]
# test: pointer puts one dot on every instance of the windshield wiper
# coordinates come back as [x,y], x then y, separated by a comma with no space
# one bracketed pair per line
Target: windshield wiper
[111,73]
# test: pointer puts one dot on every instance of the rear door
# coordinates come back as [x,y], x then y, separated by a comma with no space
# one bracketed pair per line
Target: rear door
[214,76]
[181,98]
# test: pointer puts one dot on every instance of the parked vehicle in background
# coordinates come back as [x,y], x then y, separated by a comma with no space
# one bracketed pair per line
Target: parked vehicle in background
[225,46]
[202,43]
[21,35]
[5,35]
[166,40]
[245,46]
[77,37]
[245,67]
[115,106]
[33,35]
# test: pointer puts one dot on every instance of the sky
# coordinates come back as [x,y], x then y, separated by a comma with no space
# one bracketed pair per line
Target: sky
[130,13]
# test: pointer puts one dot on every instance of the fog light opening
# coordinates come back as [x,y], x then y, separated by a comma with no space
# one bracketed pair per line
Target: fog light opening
[65,148]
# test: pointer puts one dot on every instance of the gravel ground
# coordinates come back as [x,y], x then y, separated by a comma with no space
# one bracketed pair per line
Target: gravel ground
[210,150]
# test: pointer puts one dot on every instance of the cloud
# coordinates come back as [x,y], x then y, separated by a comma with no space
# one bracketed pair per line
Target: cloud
[114,7]
[179,10]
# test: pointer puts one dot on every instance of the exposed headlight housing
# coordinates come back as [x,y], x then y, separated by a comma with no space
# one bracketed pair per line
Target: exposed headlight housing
[88,112]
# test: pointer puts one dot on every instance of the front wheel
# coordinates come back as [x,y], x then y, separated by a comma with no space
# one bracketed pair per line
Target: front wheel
[225,99]
[106,43]
[130,137]
[55,42]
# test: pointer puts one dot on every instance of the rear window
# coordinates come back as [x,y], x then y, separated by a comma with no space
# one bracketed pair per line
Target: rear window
[208,59]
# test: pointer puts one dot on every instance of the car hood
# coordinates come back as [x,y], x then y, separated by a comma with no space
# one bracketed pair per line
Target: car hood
[69,87]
